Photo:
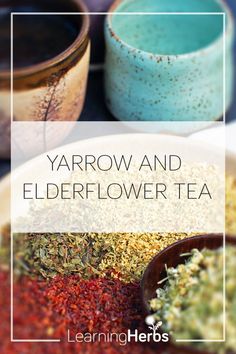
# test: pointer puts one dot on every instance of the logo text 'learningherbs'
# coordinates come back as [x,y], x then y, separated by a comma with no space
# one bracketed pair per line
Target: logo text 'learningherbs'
[121,338]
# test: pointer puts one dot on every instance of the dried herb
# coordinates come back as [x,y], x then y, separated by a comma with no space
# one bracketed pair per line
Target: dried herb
[129,254]
[5,247]
[51,254]
[191,303]
[89,254]
[230,211]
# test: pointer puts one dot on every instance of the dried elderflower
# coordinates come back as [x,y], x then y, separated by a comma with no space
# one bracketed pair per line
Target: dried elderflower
[191,302]
[230,205]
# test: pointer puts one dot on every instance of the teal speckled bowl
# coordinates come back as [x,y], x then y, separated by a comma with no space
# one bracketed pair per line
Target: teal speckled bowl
[168,67]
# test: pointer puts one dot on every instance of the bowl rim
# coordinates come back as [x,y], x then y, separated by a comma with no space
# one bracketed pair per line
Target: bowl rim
[229,30]
[61,57]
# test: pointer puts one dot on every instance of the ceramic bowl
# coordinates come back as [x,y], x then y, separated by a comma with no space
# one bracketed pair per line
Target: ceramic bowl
[53,89]
[171,257]
[168,67]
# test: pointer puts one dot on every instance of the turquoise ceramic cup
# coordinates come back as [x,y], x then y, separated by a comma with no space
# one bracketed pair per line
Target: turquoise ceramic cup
[169,67]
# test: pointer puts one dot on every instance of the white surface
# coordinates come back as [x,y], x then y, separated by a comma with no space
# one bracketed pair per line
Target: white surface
[214,136]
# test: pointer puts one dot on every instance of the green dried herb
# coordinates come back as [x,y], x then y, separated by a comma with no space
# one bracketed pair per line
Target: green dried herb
[51,254]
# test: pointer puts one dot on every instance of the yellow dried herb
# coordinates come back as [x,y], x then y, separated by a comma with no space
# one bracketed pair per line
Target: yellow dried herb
[230,205]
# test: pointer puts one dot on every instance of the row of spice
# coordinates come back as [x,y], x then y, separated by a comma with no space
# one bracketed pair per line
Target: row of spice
[190,306]
[90,282]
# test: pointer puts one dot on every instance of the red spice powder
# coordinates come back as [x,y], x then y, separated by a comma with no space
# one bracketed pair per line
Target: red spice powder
[48,309]
[97,305]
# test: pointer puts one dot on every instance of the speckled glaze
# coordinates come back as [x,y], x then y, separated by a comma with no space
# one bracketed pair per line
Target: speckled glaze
[168,67]
[51,90]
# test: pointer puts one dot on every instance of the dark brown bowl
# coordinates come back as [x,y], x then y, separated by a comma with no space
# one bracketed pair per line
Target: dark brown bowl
[171,257]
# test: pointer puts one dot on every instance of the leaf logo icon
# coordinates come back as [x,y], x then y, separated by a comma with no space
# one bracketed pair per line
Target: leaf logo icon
[154,327]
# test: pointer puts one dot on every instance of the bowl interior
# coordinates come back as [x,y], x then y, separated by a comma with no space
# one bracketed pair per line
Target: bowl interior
[168,34]
[36,47]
